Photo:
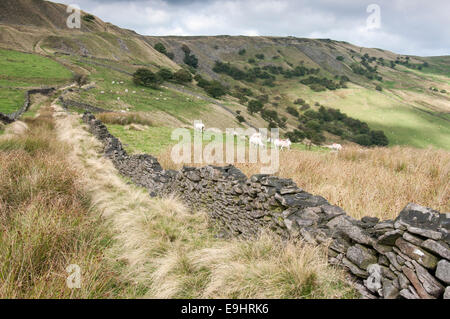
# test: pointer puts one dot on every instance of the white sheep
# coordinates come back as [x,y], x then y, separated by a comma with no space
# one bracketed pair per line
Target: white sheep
[198,126]
[282,143]
[256,140]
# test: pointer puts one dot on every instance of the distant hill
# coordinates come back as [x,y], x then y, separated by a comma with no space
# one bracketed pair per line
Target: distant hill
[405,96]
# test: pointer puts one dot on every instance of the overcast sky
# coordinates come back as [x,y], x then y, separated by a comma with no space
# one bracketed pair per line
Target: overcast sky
[415,27]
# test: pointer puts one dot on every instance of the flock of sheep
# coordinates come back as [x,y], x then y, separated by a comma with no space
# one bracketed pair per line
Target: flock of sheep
[257,139]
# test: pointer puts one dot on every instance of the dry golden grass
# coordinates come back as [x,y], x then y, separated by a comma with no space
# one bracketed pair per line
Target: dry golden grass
[371,182]
[377,182]
[124,118]
[44,219]
[168,252]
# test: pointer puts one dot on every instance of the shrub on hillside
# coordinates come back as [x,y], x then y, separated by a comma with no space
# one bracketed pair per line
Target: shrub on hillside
[240,118]
[379,138]
[296,136]
[189,59]
[182,76]
[335,122]
[165,74]
[270,115]
[299,101]
[363,139]
[145,77]
[305,107]
[160,48]
[215,89]
[254,106]
[88,18]
[292,111]
[80,79]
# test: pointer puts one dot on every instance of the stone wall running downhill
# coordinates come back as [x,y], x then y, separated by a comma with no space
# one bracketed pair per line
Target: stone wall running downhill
[9,118]
[408,257]
[66,103]
[5,119]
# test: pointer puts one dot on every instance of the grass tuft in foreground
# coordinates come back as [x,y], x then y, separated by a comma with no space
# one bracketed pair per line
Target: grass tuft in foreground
[45,221]
[124,118]
[376,182]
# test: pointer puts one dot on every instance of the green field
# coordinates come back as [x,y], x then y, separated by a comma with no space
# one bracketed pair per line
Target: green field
[152,141]
[157,140]
[402,123]
[22,70]
[179,106]
[11,100]
[25,70]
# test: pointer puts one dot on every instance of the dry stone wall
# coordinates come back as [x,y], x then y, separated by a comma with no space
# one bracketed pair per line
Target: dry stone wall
[408,257]
[66,103]
[9,118]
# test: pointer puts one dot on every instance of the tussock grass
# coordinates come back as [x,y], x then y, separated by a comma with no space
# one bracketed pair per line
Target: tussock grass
[124,118]
[375,182]
[168,252]
[45,221]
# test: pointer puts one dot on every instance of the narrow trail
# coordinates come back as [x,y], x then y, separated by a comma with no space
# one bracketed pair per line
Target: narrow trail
[124,207]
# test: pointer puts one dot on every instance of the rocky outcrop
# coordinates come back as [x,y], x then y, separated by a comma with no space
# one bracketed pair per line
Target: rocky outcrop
[402,258]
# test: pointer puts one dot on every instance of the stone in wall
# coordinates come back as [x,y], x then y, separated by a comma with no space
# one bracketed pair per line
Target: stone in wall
[5,119]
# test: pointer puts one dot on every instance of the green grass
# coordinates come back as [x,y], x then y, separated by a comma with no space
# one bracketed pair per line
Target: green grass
[152,141]
[11,100]
[157,140]
[302,147]
[438,65]
[402,124]
[179,106]
[48,222]
[21,70]
[24,70]
[32,111]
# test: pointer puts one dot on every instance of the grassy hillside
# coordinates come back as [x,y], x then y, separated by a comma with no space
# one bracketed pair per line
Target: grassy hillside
[412,104]
[11,100]
[408,97]
[403,123]
[27,70]
[20,71]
